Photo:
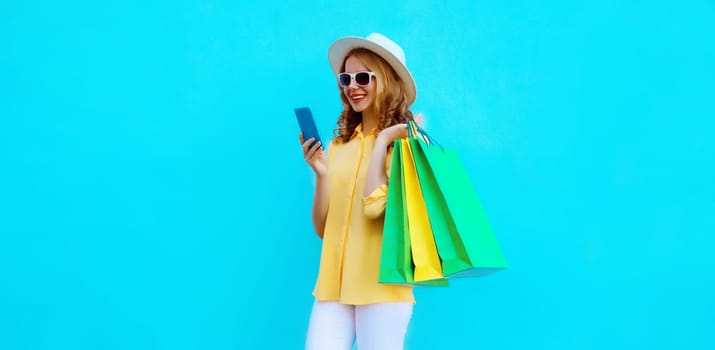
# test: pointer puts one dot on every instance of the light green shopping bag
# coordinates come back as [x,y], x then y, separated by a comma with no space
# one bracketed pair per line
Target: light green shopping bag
[396,265]
[465,240]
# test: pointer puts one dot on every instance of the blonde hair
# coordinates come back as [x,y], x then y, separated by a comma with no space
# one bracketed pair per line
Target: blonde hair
[390,100]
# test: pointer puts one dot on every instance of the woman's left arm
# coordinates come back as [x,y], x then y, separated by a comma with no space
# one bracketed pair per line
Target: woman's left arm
[376,174]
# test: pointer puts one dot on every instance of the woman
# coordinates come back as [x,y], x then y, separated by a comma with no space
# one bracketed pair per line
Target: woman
[351,191]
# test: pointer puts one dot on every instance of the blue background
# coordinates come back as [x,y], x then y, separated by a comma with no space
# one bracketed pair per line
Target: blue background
[153,193]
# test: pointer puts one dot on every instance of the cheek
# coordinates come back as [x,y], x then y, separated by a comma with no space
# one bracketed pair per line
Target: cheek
[372,89]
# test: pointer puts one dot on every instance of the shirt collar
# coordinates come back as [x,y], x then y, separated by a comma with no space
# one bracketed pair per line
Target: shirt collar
[358,131]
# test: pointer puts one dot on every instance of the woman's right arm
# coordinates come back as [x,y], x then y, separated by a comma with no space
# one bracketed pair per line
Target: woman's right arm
[320,204]
[315,157]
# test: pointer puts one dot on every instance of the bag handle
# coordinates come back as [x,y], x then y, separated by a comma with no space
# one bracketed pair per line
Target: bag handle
[414,130]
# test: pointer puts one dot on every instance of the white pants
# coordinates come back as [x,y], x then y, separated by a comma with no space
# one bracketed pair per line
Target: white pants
[335,326]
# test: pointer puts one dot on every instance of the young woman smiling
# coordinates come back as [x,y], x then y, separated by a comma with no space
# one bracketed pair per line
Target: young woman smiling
[376,90]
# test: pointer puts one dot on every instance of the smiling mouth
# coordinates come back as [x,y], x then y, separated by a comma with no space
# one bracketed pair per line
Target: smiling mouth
[357,98]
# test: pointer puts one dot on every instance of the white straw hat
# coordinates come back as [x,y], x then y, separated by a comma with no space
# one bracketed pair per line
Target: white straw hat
[383,47]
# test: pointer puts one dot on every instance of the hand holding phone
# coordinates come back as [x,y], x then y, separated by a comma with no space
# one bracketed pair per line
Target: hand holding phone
[307,124]
[314,156]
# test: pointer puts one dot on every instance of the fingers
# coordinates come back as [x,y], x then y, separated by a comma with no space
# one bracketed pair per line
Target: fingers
[300,137]
[306,144]
[402,131]
[419,118]
[312,151]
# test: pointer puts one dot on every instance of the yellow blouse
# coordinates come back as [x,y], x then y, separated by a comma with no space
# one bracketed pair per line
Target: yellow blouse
[352,240]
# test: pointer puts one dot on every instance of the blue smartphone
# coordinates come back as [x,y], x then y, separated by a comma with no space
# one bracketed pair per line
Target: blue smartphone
[307,124]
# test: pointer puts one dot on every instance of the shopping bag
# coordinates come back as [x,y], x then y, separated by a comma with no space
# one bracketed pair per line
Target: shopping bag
[450,247]
[396,265]
[395,257]
[462,234]
[424,251]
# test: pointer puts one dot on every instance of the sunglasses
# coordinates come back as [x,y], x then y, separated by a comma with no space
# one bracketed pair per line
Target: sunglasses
[361,78]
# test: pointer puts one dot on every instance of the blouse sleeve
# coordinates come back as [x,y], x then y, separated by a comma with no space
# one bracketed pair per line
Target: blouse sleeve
[374,204]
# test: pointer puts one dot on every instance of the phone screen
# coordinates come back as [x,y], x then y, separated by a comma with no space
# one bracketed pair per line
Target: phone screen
[307,123]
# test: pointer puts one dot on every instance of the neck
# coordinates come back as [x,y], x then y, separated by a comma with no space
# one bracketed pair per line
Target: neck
[370,120]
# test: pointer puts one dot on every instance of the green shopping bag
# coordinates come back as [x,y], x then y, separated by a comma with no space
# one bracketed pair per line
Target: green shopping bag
[464,238]
[396,265]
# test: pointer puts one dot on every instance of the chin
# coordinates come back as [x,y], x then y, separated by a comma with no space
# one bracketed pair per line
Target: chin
[359,107]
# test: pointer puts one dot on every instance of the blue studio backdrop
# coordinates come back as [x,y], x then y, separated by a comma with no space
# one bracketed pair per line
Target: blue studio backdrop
[153,193]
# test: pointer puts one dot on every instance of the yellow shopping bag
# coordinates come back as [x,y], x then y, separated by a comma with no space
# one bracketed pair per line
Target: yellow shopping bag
[424,250]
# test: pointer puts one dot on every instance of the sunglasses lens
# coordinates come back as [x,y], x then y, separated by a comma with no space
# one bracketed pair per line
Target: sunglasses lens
[344,79]
[362,78]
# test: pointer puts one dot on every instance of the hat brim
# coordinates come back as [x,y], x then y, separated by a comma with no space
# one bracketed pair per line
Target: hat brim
[341,47]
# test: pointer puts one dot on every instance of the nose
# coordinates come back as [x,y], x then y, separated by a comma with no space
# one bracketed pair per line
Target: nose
[353,83]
